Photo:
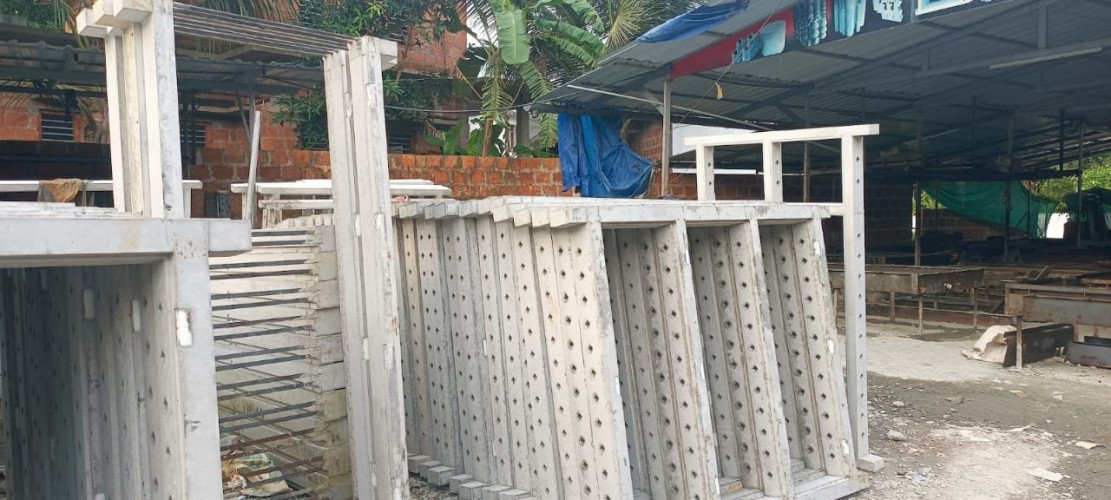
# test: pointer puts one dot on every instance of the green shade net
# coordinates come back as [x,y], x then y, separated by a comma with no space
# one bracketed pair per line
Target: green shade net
[984,202]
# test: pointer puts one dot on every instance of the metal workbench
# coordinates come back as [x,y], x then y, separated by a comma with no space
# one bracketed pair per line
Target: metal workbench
[1056,304]
[916,280]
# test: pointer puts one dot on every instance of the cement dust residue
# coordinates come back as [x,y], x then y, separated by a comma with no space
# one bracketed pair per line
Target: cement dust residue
[971,463]
[909,358]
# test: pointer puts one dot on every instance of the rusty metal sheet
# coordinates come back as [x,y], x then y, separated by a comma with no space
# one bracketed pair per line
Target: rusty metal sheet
[1038,343]
[1059,304]
[1090,355]
[914,280]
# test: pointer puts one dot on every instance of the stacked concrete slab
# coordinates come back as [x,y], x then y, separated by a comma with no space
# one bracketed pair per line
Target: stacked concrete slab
[107,342]
[596,349]
[279,357]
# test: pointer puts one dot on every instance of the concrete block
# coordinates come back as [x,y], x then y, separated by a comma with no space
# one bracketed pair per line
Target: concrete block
[513,494]
[471,490]
[455,482]
[491,492]
[415,460]
[422,468]
[439,476]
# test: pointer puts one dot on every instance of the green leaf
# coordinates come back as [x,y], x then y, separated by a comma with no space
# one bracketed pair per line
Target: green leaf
[525,151]
[575,41]
[513,39]
[582,8]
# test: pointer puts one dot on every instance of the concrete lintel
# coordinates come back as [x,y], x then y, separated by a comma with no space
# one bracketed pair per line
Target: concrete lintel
[31,241]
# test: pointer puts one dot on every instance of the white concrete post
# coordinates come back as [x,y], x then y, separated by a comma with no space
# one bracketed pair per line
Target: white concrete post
[141,77]
[773,172]
[704,172]
[366,251]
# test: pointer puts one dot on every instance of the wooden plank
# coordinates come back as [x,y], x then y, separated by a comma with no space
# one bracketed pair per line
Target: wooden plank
[114,75]
[136,176]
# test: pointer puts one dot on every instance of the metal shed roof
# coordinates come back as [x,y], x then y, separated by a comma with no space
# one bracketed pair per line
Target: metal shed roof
[34,55]
[964,81]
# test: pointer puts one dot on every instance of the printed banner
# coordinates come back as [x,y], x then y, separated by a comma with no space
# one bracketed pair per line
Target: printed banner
[812,22]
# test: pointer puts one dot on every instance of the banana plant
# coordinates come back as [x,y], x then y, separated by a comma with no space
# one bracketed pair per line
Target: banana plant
[527,47]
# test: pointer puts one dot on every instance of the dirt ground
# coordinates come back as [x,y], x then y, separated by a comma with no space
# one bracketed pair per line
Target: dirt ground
[974,430]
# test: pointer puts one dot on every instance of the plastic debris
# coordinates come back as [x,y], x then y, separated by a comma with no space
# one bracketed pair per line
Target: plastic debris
[991,346]
[239,473]
[1045,474]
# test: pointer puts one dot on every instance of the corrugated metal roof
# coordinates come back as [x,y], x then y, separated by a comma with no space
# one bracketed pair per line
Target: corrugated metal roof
[39,61]
[961,75]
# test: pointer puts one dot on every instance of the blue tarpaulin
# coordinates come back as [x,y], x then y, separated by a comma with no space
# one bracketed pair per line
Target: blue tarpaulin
[594,159]
[692,23]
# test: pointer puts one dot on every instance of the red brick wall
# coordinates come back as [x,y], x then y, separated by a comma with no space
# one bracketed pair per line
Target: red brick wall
[467,176]
[646,140]
[18,121]
[437,56]
[480,177]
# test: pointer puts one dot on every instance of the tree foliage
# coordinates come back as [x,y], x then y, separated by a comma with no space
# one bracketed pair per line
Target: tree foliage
[54,15]
[1097,174]
[413,20]
[527,47]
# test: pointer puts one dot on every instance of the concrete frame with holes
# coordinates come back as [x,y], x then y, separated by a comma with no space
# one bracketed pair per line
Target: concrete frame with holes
[563,348]
[851,211]
[104,313]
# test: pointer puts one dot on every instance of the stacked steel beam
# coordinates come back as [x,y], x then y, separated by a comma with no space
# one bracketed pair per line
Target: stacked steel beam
[571,348]
[279,360]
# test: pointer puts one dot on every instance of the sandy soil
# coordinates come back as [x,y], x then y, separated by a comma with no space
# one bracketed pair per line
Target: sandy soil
[974,430]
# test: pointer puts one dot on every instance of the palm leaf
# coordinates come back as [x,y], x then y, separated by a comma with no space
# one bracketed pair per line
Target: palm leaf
[586,12]
[513,38]
[583,44]
[538,86]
